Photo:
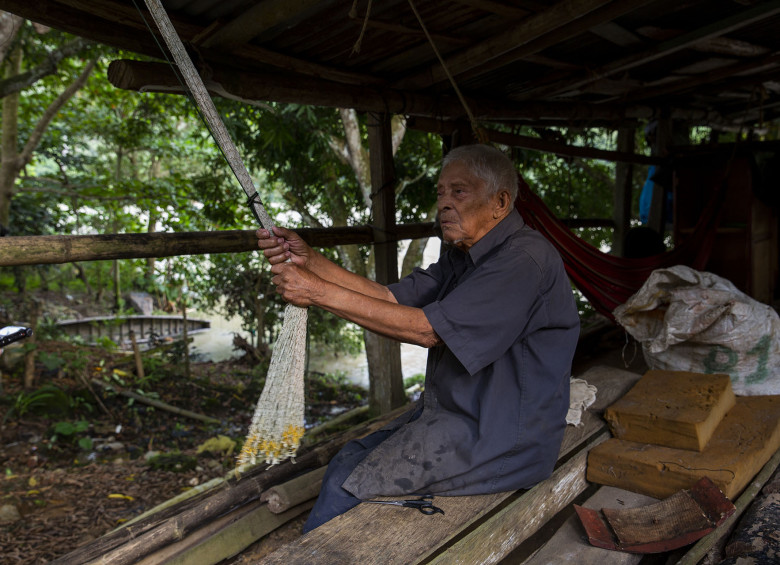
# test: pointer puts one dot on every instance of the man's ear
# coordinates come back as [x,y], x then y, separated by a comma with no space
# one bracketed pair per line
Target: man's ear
[503,204]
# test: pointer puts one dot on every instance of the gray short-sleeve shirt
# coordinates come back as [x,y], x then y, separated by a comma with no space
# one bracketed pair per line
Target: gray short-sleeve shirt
[497,390]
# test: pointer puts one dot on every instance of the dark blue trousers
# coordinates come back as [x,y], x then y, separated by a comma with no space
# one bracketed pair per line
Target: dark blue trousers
[333,499]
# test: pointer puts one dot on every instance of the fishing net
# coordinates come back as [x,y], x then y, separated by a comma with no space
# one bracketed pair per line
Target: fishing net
[277,424]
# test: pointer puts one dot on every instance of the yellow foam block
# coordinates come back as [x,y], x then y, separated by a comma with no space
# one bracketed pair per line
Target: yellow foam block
[744,441]
[672,408]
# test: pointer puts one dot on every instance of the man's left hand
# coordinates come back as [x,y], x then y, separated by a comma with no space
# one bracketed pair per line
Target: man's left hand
[297,285]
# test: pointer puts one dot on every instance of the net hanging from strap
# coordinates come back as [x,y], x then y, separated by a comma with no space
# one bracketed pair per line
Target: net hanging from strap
[277,424]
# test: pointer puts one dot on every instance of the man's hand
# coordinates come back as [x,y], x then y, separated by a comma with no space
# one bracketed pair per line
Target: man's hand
[284,244]
[297,285]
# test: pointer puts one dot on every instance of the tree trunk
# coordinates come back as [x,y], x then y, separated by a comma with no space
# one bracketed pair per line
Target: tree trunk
[13,161]
[384,371]
[29,356]
[384,355]
[9,29]
[9,164]
[413,256]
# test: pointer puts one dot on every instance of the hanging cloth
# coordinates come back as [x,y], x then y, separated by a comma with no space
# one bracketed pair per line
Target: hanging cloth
[607,280]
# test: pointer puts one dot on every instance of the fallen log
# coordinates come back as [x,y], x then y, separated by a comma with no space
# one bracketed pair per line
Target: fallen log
[225,536]
[156,403]
[173,523]
[292,493]
[313,434]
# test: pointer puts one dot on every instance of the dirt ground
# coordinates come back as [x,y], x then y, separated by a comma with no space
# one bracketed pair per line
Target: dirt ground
[63,486]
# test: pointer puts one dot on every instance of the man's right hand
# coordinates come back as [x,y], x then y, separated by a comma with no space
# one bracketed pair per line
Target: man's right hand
[282,245]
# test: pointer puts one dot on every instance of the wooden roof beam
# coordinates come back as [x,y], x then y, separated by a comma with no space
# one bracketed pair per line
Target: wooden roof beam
[258,87]
[519,10]
[717,45]
[529,48]
[744,18]
[616,34]
[120,25]
[260,17]
[535,143]
[710,77]
[524,31]
[408,31]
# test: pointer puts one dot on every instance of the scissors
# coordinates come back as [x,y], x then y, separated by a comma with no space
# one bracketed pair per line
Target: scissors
[424,504]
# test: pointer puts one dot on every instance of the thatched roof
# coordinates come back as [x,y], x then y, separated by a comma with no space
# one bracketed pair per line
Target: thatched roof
[571,62]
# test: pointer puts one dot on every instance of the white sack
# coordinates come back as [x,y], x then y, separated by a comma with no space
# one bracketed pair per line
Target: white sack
[688,320]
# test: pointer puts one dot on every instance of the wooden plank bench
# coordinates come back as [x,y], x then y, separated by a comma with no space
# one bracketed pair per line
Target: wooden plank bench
[473,529]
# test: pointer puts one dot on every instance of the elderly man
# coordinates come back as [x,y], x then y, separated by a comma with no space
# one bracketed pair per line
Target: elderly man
[498,316]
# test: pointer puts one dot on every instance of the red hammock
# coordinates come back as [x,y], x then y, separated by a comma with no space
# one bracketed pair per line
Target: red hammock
[606,280]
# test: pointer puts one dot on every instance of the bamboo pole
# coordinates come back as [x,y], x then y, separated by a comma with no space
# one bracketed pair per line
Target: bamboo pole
[157,403]
[57,249]
[281,498]
[173,523]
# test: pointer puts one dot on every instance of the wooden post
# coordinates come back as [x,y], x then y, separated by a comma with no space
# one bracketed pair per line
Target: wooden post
[386,387]
[624,173]
[139,364]
[185,337]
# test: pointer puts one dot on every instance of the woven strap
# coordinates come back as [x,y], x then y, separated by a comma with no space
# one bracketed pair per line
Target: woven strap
[207,109]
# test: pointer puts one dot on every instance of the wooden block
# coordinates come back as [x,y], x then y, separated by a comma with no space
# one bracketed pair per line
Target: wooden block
[743,442]
[672,408]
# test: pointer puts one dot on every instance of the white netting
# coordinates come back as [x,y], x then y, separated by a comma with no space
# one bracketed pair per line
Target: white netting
[277,424]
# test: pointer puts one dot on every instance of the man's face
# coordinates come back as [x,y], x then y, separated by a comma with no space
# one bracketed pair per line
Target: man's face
[466,212]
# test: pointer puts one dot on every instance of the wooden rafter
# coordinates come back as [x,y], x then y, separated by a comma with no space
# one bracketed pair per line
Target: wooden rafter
[556,86]
[260,17]
[710,77]
[547,146]
[525,31]
[529,49]
[720,45]
[255,87]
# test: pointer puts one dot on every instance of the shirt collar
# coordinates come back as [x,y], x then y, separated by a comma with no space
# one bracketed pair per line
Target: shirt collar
[506,227]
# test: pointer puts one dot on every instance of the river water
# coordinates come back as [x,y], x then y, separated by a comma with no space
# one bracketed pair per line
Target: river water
[216,344]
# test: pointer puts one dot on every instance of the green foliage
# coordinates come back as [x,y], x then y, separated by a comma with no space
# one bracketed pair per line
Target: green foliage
[418,379]
[115,161]
[174,461]
[51,361]
[332,387]
[48,400]
[71,431]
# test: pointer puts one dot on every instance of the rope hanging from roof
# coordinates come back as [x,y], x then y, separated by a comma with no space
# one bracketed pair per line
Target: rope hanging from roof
[277,424]
[479,131]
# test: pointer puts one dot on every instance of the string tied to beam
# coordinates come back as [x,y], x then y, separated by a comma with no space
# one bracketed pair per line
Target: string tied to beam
[479,132]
